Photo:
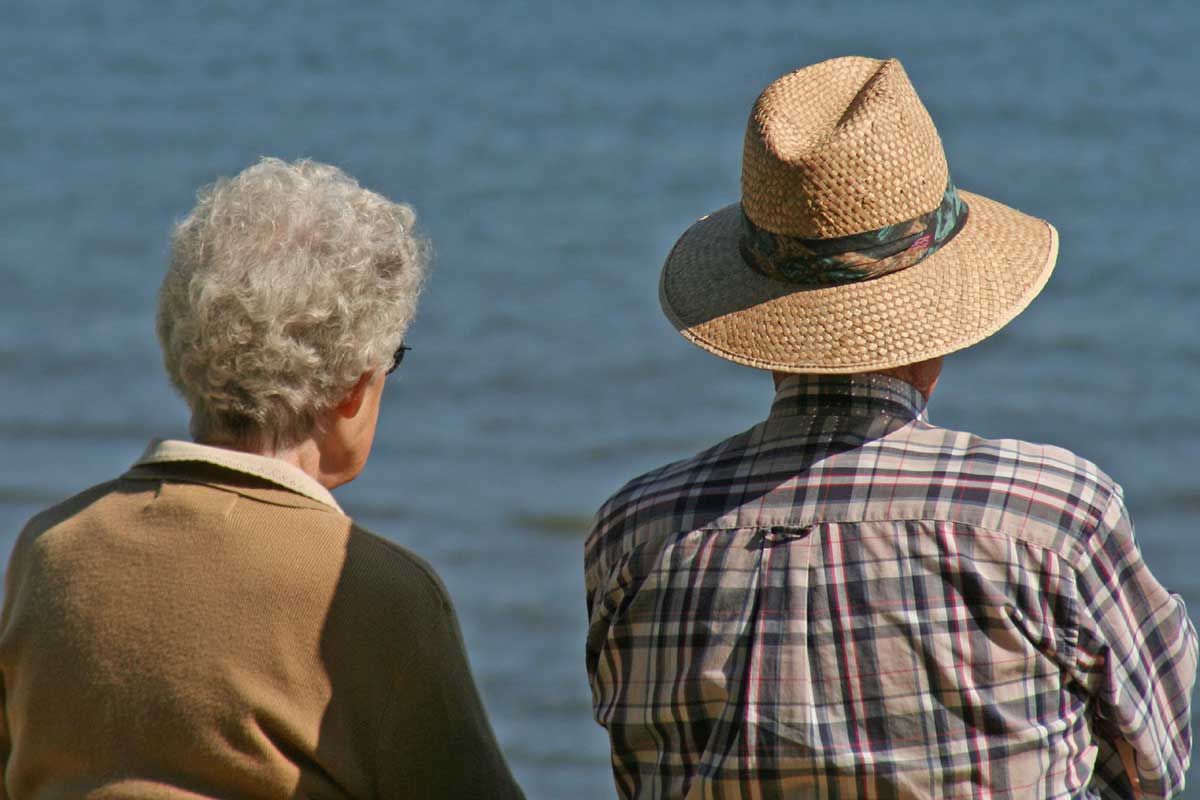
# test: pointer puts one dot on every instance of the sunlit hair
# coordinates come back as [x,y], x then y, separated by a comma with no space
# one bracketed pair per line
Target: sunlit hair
[286,283]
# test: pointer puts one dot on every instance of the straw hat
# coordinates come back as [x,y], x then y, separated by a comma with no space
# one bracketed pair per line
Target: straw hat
[851,249]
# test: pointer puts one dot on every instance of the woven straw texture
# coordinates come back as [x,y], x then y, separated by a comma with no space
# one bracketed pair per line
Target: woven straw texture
[841,147]
[836,149]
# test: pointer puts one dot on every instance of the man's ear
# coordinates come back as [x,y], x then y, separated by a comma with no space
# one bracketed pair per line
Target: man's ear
[353,399]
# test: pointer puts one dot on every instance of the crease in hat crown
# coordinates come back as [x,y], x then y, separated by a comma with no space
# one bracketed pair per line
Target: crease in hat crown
[840,148]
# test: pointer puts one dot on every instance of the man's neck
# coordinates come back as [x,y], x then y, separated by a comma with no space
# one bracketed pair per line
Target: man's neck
[922,376]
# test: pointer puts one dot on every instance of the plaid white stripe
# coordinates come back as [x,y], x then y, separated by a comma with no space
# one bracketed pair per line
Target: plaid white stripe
[846,601]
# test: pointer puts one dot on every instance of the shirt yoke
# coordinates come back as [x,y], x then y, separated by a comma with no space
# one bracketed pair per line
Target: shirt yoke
[799,473]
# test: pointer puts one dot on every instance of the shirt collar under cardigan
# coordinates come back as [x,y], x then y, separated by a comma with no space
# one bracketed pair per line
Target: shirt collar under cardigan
[270,469]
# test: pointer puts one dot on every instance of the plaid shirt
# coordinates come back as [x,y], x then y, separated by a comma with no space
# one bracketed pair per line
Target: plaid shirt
[846,601]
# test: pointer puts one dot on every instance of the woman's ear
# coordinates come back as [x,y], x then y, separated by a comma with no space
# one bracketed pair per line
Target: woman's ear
[352,402]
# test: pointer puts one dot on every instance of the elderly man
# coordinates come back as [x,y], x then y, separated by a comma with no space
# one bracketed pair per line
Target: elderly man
[210,623]
[846,600]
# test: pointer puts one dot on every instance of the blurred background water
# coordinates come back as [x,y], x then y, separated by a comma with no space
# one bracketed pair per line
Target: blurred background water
[554,151]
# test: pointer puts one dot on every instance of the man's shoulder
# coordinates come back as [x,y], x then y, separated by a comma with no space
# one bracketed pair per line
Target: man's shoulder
[1045,460]
[1040,493]
[676,475]
[1042,464]
[656,499]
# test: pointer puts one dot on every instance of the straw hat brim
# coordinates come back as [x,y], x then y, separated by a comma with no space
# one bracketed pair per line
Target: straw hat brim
[966,291]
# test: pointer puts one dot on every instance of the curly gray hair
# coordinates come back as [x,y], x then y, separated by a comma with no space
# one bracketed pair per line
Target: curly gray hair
[286,284]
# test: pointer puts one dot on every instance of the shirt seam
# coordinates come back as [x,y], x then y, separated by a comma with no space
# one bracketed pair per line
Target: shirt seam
[1071,558]
[1094,533]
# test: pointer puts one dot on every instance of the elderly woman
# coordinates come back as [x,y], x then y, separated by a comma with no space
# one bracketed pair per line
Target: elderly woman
[210,623]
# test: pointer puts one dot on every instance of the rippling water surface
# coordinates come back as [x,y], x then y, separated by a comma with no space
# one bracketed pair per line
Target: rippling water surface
[554,152]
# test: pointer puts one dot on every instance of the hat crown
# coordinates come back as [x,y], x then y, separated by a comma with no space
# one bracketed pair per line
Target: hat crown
[840,148]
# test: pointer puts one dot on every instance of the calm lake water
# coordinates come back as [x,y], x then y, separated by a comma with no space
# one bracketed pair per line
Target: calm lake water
[554,151]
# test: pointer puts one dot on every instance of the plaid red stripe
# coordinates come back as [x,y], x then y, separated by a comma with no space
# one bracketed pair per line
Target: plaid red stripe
[846,601]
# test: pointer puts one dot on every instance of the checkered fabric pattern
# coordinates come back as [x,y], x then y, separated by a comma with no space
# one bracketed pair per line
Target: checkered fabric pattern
[846,601]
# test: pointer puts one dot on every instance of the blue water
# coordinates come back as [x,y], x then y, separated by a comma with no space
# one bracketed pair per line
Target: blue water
[554,151]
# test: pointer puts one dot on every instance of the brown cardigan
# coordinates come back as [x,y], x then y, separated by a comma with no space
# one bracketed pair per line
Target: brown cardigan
[190,631]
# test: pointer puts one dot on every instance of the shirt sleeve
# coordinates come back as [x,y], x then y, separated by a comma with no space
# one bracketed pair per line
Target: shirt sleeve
[1136,656]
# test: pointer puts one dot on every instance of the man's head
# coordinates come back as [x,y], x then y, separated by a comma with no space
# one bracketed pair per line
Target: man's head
[851,249]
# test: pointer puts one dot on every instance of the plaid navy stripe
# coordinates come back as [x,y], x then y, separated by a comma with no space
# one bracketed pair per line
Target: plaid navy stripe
[846,601]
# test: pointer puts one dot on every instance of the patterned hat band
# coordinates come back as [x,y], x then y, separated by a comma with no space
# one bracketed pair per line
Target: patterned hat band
[858,257]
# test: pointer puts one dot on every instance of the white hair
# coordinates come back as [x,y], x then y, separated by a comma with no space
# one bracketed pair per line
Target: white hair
[286,284]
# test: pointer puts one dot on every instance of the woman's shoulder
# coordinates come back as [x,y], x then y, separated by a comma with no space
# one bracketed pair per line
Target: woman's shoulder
[391,571]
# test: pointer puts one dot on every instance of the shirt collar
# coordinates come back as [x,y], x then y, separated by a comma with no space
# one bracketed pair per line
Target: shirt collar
[864,395]
[270,469]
